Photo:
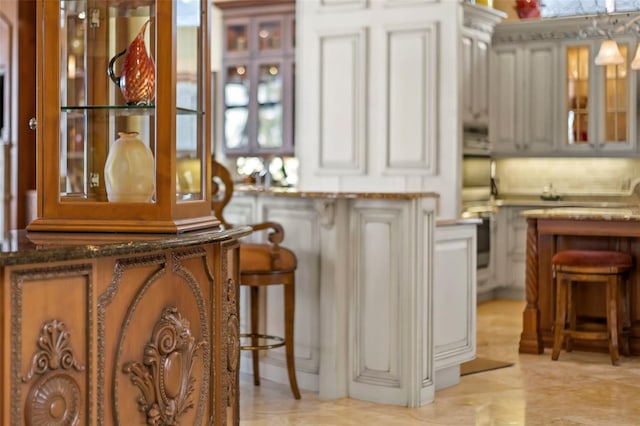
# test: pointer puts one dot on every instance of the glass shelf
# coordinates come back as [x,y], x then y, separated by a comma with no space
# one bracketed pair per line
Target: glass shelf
[126,110]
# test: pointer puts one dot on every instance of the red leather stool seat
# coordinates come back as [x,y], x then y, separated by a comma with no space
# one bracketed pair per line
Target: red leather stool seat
[591,267]
[603,261]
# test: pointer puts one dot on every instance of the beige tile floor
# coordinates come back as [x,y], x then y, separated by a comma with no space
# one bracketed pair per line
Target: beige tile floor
[580,388]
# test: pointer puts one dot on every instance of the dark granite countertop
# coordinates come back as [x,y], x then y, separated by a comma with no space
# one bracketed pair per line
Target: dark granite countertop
[22,247]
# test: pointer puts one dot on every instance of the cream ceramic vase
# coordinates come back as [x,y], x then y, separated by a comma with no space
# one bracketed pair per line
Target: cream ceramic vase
[129,170]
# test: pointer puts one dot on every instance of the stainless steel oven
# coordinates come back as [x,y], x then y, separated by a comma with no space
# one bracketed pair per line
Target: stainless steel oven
[477,193]
[485,214]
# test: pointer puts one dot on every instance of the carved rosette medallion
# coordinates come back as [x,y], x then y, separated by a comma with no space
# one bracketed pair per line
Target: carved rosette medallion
[164,377]
[55,399]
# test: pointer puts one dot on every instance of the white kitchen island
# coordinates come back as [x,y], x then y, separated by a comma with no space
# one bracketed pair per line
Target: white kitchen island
[365,294]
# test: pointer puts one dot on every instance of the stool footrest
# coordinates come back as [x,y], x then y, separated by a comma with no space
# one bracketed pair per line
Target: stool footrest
[587,335]
[279,341]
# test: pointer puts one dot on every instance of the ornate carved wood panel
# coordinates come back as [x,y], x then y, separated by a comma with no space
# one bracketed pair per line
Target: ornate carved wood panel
[51,327]
[133,340]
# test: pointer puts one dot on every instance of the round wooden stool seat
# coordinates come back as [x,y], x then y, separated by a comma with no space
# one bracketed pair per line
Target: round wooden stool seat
[591,267]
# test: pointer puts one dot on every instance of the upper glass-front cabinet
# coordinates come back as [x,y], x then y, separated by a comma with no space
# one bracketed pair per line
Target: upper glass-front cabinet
[123,126]
[258,78]
[598,99]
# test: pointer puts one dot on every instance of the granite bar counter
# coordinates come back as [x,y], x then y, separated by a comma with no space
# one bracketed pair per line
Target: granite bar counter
[120,329]
[385,292]
[552,230]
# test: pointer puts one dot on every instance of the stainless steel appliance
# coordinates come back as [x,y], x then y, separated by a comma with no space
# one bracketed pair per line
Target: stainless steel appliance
[477,194]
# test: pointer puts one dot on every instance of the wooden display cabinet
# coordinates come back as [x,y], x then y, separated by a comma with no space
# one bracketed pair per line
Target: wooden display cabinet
[258,77]
[80,112]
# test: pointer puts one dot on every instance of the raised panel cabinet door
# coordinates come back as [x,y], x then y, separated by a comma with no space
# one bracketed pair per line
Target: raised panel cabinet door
[467,75]
[454,294]
[475,78]
[480,81]
[517,247]
[540,97]
[505,132]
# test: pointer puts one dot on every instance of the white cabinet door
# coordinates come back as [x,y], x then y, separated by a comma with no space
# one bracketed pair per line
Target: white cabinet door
[511,252]
[505,85]
[475,78]
[540,97]
[454,298]
[523,118]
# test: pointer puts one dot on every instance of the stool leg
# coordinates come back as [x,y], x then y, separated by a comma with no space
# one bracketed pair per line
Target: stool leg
[624,321]
[289,315]
[571,313]
[255,323]
[612,318]
[561,304]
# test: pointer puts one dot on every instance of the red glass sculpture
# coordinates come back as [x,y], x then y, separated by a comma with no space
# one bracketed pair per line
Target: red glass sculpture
[137,80]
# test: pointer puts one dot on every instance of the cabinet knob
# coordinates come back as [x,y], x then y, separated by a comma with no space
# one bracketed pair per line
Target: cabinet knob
[33,123]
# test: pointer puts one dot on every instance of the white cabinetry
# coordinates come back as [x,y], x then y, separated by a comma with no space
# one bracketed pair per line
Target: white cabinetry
[547,96]
[523,87]
[454,301]
[511,251]
[381,87]
[364,319]
[599,102]
[476,41]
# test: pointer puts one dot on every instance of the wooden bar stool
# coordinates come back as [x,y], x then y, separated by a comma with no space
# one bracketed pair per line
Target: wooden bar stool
[267,265]
[591,267]
[262,265]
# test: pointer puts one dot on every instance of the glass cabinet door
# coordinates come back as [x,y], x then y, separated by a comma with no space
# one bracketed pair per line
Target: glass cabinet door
[577,96]
[597,99]
[258,83]
[269,34]
[190,128]
[236,107]
[269,98]
[237,37]
[616,95]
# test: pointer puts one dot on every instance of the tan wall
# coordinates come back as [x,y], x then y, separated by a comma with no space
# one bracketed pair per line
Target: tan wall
[508,7]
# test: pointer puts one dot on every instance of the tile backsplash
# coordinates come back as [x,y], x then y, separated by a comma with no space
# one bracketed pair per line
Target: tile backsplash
[568,176]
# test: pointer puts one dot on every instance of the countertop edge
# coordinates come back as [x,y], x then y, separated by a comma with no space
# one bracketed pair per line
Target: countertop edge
[293,192]
[37,247]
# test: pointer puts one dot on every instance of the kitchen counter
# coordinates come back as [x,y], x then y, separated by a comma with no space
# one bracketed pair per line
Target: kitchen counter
[297,193]
[599,202]
[586,213]
[553,230]
[379,281]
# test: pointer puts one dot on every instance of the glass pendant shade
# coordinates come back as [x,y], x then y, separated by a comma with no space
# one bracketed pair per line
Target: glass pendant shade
[609,54]
[635,64]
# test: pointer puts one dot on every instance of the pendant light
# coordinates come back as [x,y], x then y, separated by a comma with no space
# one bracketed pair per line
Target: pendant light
[635,64]
[609,54]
